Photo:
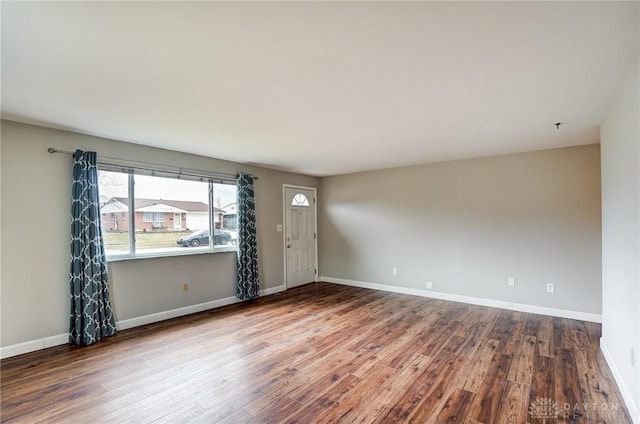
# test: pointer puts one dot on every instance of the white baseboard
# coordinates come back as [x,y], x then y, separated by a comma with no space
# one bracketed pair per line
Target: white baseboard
[60,339]
[174,313]
[624,390]
[542,310]
[33,345]
[272,290]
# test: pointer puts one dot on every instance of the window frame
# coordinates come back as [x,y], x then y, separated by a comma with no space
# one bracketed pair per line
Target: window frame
[131,172]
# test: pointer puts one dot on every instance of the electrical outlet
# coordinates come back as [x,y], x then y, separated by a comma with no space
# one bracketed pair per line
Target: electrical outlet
[279,228]
[551,288]
[394,270]
[429,285]
[511,282]
[633,358]
[185,287]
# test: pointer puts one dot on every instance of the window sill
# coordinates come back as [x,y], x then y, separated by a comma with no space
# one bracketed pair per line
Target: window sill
[170,254]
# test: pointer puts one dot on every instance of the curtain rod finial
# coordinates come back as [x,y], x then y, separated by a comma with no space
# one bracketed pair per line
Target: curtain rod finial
[51,150]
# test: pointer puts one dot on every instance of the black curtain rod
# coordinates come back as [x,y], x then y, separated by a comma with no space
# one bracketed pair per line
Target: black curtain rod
[106,161]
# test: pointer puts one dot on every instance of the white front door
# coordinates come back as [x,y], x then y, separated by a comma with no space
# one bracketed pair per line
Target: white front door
[300,235]
[177,221]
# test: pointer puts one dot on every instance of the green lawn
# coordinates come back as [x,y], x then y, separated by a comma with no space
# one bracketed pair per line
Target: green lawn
[114,241]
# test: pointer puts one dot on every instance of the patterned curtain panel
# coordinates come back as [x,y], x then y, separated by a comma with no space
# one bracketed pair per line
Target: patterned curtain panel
[91,315]
[248,277]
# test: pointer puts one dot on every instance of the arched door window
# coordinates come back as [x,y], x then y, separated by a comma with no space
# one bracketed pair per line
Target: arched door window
[299,200]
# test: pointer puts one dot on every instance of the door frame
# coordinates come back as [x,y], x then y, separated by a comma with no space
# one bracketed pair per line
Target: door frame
[284,226]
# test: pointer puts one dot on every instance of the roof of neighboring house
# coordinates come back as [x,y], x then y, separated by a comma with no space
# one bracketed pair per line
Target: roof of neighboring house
[147,204]
[229,207]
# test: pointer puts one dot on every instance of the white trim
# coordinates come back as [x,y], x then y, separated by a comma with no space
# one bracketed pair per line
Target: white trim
[273,290]
[542,310]
[60,339]
[175,251]
[174,313]
[284,233]
[284,226]
[624,390]
[33,345]
[188,310]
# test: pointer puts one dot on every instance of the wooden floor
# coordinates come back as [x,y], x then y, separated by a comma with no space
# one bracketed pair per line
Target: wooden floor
[325,353]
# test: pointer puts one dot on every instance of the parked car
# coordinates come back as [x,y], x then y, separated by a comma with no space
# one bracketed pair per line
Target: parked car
[201,238]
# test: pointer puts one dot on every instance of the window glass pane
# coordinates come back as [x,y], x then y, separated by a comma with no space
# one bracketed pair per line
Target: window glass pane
[114,208]
[300,200]
[170,214]
[225,215]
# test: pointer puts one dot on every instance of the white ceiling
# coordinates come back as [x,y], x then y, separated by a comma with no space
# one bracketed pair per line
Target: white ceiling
[320,88]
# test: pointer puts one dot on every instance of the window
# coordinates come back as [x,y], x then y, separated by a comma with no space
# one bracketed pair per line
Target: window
[153,216]
[164,215]
[299,200]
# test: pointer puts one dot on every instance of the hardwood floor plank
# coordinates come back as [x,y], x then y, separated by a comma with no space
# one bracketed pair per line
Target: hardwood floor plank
[521,369]
[328,378]
[323,403]
[439,387]
[321,353]
[276,411]
[503,330]
[38,403]
[514,405]
[531,325]
[239,416]
[184,414]
[489,395]
[568,391]
[473,333]
[456,407]
[387,394]
[595,385]
[92,409]
[543,379]
[480,364]
[545,338]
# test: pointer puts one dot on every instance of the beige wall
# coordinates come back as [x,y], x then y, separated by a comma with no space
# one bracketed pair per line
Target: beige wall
[36,193]
[620,135]
[469,225]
